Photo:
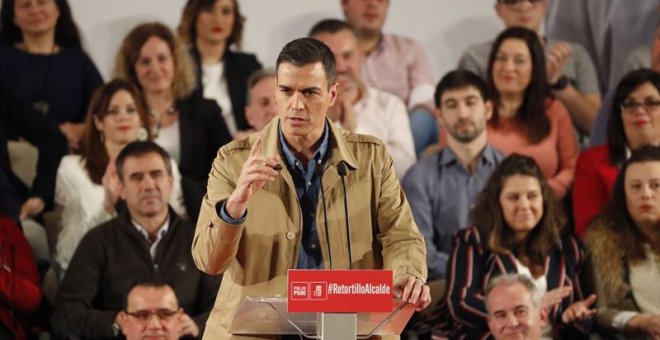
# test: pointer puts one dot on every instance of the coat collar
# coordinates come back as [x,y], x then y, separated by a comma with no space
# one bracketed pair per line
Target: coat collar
[338,150]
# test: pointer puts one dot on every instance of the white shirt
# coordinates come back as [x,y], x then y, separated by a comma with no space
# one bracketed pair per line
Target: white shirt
[169,138]
[215,88]
[384,115]
[159,236]
[79,204]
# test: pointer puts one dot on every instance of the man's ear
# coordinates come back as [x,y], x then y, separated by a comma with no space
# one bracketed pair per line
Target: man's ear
[544,317]
[333,92]
[489,109]
[438,114]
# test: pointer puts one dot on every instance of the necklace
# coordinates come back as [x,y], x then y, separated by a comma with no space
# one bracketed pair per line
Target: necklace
[156,117]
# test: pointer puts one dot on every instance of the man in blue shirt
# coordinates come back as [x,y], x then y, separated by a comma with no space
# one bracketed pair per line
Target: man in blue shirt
[443,188]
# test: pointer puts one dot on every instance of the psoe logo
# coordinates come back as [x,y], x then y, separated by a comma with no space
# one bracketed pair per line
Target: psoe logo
[319,290]
[299,291]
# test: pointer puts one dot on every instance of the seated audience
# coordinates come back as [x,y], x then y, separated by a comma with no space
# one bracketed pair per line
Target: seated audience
[526,119]
[571,75]
[214,29]
[599,129]
[145,300]
[187,126]
[146,239]
[635,122]
[361,108]
[514,308]
[624,247]
[20,293]
[395,64]
[261,107]
[443,188]
[87,188]
[518,228]
[42,62]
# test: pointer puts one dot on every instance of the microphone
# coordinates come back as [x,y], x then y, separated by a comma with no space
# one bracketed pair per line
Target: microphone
[318,171]
[342,170]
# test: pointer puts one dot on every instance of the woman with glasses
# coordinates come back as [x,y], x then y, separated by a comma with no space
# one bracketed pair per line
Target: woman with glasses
[624,248]
[527,119]
[634,122]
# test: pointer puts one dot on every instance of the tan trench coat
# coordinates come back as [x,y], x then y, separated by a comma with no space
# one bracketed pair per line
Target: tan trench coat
[255,256]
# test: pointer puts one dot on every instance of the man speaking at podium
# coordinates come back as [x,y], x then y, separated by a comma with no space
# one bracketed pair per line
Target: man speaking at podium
[284,198]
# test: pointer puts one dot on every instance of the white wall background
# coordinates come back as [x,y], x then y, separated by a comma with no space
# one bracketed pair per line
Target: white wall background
[444,27]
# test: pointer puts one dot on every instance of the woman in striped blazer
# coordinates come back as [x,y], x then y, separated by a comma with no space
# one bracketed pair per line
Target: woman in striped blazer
[518,228]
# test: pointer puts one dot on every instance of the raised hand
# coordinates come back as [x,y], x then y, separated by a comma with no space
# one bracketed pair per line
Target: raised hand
[256,172]
[555,61]
[579,310]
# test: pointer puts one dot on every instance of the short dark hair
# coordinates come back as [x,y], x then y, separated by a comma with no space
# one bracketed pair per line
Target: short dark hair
[532,111]
[617,140]
[141,148]
[152,282]
[487,214]
[616,214]
[331,26]
[460,79]
[66,31]
[305,51]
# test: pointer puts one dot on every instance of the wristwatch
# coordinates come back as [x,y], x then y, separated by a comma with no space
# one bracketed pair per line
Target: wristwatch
[561,83]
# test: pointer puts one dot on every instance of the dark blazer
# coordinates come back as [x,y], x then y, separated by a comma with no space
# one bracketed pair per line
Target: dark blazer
[237,67]
[471,266]
[203,132]
[114,256]
[19,117]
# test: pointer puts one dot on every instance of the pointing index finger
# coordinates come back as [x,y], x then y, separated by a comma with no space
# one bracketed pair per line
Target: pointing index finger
[256,148]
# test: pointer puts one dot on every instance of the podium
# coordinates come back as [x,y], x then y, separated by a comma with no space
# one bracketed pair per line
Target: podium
[327,305]
[269,315]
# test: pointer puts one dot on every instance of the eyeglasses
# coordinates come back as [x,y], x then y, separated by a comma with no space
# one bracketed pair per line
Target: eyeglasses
[515,2]
[633,106]
[162,314]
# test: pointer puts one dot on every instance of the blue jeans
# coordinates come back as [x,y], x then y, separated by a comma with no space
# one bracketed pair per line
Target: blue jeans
[424,128]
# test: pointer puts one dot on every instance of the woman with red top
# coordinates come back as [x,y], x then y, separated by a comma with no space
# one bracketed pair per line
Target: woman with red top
[19,282]
[634,122]
[526,119]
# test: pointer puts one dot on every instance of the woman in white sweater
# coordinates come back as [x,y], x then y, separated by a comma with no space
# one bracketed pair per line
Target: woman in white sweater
[86,188]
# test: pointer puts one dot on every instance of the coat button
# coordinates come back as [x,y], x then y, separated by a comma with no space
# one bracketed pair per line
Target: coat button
[290,235]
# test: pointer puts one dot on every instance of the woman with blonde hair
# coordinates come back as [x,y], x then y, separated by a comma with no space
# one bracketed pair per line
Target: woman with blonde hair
[187,126]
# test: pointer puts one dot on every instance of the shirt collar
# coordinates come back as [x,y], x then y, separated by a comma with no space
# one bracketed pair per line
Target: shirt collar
[448,156]
[161,232]
[319,154]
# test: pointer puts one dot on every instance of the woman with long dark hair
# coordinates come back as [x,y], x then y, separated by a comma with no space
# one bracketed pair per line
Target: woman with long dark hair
[624,248]
[213,30]
[518,228]
[526,119]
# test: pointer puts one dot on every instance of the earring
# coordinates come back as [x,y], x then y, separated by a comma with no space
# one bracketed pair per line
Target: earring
[142,134]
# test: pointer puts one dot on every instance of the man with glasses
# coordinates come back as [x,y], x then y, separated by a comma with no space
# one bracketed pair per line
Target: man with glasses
[152,311]
[147,239]
[571,73]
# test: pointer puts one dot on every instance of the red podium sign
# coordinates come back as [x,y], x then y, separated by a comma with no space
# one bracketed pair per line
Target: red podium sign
[340,291]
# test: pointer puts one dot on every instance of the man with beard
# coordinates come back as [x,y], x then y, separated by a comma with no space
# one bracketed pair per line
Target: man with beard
[361,108]
[443,187]
[146,240]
